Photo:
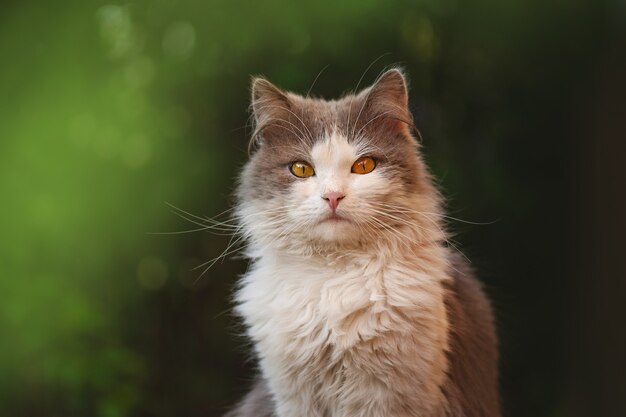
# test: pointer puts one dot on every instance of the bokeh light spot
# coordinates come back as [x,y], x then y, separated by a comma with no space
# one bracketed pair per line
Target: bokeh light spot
[179,40]
[116,30]
[420,34]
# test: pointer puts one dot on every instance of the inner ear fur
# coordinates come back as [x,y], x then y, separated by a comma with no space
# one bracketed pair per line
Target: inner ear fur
[387,102]
[271,108]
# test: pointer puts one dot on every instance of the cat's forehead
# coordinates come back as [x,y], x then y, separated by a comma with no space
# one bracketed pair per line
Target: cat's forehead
[323,117]
[333,150]
[338,129]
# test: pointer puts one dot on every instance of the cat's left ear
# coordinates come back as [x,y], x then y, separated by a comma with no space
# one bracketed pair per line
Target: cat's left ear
[270,108]
[387,101]
[266,98]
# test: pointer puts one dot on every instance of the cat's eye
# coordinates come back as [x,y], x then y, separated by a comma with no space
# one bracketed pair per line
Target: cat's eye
[363,165]
[301,169]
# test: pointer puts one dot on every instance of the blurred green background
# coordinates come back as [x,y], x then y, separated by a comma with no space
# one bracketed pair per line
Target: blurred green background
[108,111]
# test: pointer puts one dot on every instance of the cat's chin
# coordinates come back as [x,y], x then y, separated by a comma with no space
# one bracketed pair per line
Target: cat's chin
[334,229]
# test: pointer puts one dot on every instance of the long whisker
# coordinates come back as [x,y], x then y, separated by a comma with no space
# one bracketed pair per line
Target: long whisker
[303,125]
[364,148]
[224,254]
[292,113]
[300,135]
[367,96]
[358,84]
[315,80]
[203,223]
[370,121]
[200,229]
[445,236]
[406,209]
[179,210]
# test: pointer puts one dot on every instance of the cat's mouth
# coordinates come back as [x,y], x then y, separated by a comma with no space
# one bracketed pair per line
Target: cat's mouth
[334,218]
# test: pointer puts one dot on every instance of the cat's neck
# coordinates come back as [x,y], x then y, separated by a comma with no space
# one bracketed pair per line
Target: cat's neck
[430,256]
[400,242]
[356,294]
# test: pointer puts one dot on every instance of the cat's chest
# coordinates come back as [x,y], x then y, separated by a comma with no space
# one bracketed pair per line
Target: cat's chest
[337,304]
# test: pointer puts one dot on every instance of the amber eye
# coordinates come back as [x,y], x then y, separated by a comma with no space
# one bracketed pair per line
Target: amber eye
[364,165]
[301,169]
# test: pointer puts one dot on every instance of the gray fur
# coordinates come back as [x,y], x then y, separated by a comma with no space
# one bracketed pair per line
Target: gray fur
[381,113]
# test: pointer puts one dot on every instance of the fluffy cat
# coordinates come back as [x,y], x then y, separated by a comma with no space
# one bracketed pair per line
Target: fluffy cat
[354,302]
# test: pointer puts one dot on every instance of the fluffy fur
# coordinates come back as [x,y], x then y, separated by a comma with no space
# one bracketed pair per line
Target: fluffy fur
[367,316]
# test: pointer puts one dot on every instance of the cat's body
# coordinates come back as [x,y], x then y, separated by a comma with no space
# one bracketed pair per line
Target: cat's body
[355,304]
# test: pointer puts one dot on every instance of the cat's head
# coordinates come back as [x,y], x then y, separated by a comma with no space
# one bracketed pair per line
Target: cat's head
[338,173]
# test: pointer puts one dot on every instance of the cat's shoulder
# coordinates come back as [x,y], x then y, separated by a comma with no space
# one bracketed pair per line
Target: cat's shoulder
[464,291]
[472,353]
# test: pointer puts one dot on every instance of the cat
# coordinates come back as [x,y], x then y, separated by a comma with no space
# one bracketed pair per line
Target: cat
[354,301]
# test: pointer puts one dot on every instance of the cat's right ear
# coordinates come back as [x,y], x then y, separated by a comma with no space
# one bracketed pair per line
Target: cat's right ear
[270,109]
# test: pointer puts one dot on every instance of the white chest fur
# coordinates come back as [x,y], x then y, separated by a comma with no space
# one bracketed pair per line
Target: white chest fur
[362,336]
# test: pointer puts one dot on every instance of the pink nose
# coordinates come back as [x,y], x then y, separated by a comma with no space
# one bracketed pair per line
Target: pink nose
[333,199]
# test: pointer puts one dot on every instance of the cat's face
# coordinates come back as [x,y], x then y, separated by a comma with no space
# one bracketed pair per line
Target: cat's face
[342,172]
